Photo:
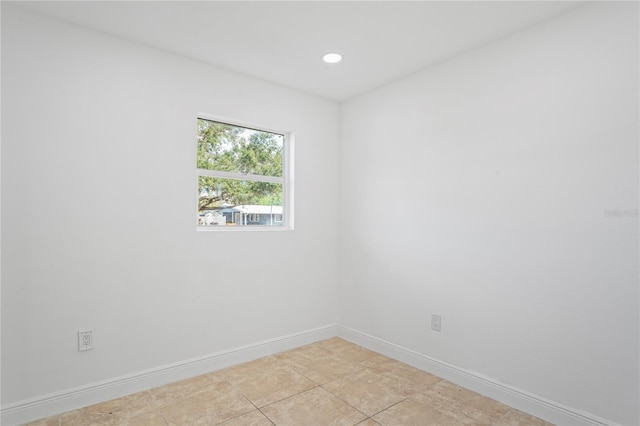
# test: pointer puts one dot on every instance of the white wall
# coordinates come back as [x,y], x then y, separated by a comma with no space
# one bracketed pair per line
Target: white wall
[98,220]
[478,190]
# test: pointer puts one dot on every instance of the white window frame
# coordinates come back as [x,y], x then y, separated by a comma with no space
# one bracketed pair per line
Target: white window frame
[286,180]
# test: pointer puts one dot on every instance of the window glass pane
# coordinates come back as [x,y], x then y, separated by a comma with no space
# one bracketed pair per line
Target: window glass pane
[228,148]
[239,202]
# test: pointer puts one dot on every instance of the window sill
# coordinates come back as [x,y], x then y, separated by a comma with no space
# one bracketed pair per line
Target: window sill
[253,228]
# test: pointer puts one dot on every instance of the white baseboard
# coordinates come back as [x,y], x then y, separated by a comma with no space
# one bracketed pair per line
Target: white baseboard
[535,405]
[71,399]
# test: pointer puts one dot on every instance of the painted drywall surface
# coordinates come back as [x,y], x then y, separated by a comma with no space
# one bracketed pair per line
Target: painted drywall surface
[98,220]
[485,190]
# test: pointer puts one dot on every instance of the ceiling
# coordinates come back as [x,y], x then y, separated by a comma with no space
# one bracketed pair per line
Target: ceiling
[283,41]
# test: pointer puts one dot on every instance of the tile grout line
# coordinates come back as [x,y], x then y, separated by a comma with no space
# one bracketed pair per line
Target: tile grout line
[250,402]
[349,405]
[374,365]
[259,409]
[386,408]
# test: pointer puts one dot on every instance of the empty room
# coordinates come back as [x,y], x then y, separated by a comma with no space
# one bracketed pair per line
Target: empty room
[320,213]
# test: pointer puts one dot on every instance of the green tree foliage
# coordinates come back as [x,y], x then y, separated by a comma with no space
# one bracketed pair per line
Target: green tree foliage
[229,148]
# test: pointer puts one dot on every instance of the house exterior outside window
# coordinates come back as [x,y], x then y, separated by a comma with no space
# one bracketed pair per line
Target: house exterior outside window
[244,176]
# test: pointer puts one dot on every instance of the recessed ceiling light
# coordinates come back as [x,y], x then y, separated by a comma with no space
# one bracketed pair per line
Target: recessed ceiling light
[332,58]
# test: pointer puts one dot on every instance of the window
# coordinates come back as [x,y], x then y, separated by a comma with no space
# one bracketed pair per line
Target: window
[242,176]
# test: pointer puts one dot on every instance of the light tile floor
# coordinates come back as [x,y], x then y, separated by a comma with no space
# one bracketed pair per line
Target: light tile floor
[332,382]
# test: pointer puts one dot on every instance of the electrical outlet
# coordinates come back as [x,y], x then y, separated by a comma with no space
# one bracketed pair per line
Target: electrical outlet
[436,322]
[85,340]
